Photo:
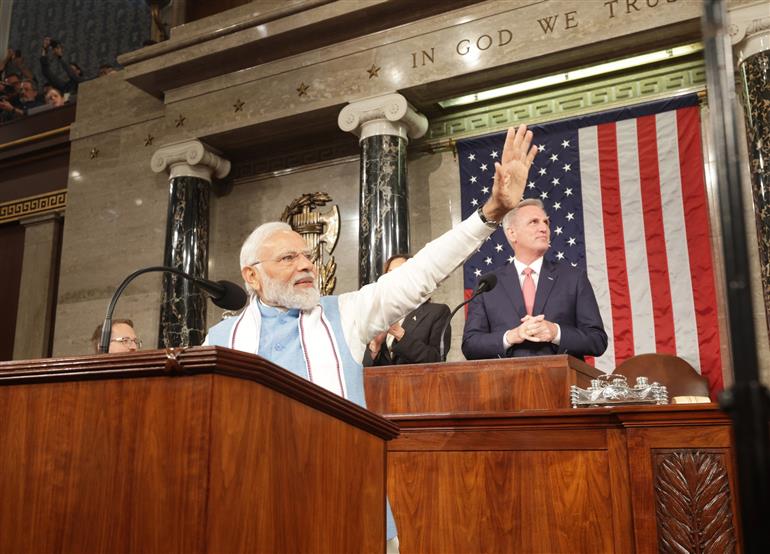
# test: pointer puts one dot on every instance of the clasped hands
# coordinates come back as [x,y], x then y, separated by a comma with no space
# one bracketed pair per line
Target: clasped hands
[376,343]
[532,328]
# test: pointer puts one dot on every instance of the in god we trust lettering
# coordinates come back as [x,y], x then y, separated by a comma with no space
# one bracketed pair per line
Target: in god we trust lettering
[547,24]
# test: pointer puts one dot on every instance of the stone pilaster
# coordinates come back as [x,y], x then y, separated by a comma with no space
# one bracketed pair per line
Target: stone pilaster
[37,293]
[384,125]
[750,34]
[191,166]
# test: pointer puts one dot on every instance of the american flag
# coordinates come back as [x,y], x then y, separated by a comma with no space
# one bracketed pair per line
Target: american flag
[626,196]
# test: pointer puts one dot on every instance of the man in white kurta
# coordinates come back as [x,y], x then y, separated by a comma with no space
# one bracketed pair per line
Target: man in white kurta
[323,338]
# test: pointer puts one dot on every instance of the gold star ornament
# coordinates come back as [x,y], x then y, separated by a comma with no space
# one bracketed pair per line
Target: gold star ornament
[373,71]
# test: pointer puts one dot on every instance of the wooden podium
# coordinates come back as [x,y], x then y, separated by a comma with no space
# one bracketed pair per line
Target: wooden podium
[479,468]
[210,450]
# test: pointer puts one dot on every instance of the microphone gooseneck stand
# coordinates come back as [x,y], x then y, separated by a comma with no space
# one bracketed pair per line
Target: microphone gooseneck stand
[224,294]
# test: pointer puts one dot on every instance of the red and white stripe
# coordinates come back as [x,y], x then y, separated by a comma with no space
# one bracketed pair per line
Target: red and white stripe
[647,239]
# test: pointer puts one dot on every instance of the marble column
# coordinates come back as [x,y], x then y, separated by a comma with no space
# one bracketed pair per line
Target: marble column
[750,34]
[384,125]
[37,294]
[191,166]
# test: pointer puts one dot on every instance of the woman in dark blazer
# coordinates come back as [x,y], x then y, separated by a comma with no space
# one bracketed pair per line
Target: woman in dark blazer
[413,340]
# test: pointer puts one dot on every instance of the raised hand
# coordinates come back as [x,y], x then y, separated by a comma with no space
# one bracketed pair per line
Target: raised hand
[511,173]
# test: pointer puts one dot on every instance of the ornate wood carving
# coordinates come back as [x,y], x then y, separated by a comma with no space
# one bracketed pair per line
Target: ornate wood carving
[692,502]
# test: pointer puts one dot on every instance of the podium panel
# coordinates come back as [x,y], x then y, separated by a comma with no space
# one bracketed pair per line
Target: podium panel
[210,450]
[503,385]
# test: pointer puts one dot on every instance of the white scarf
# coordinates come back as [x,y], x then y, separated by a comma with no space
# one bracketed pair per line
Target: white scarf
[323,362]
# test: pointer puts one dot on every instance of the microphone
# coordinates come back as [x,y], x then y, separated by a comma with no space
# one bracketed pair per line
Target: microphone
[486,283]
[224,294]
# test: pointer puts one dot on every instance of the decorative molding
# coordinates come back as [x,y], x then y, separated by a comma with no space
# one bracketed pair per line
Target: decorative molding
[569,102]
[692,502]
[33,205]
[190,158]
[749,29]
[390,114]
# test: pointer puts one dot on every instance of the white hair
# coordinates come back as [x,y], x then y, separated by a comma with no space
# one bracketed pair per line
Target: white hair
[510,216]
[254,243]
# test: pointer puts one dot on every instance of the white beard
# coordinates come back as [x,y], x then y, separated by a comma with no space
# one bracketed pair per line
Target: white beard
[284,295]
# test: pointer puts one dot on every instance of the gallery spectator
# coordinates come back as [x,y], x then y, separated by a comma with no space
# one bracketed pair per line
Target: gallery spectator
[8,111]
[77,71]
[13,64]
[12,87]
[54,98]
[56,69]
[106,69]
[29,96]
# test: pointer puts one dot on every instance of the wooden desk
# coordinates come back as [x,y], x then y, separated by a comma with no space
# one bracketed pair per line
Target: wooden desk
[622,480]
[471,479]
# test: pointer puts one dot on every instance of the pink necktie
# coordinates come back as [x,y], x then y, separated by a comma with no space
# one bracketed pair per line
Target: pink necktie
[528,288]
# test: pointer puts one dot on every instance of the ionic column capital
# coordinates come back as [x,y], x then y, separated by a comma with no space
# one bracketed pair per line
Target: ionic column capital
[749,28]
[190,158]
[389,114]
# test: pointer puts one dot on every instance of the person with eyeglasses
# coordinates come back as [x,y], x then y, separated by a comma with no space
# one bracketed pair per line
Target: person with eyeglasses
[323,338]
[123,337]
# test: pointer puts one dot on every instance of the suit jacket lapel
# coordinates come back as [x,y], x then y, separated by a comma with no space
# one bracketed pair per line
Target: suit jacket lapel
[512,288]
[414,317]
[545,283]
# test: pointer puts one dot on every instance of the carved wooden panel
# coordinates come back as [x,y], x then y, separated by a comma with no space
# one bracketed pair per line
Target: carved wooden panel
[692,502]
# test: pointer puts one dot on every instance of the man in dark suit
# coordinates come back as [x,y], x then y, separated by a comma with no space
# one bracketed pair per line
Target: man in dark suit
[538,308]
[415,339]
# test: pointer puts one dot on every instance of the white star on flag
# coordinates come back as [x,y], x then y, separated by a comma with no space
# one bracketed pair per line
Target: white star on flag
[485,190]
[477,273]
[541,147]
[567,167]
[483,167]
[568,192]
[473,179]
[543,195]
[555,181]
[570,216]
[571,241]
[541,171]
[554,157]
[560,255]
[558,231]
[565,144]
[531,185]
[474,202]
[494,153]
[557,206]
[488,260]
[510,259]
[471,157]
[499,247]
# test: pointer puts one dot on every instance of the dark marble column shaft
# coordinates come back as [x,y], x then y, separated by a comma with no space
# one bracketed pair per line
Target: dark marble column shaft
[384,208]
[183,306]
[755,73]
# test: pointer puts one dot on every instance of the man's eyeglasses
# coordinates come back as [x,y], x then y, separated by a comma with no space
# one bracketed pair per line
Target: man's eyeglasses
[290,258]
[128,341]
